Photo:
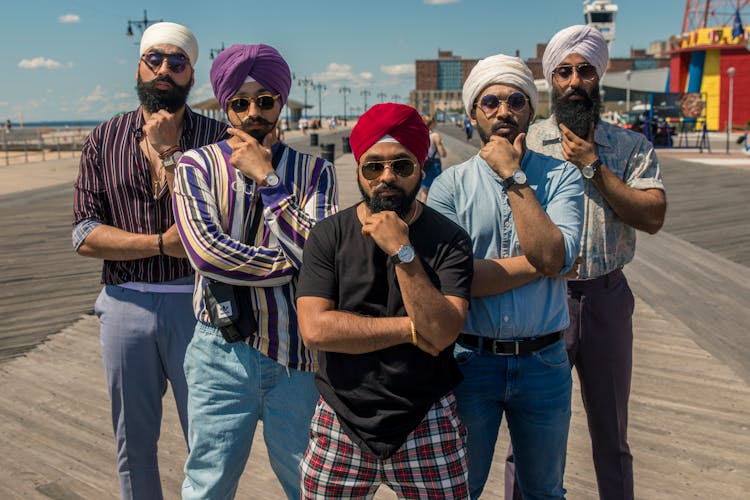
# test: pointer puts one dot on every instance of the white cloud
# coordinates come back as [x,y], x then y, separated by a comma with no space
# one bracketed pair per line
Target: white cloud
[41,62]
[97,95]
[398,69]
[69,18]
[122,95]
[3,104]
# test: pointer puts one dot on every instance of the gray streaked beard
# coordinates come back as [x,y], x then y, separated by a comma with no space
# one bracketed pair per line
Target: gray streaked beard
[579,115]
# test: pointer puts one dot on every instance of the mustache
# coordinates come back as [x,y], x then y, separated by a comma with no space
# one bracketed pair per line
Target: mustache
[162,78]
[579,92]
[504,123]
[253,120]
[386,185]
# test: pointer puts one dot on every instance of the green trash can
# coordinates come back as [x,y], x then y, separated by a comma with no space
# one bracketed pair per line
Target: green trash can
[346,148]
[328,152]
[313,139]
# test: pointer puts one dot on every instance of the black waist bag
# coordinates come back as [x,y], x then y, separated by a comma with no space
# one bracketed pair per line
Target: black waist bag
[230,311]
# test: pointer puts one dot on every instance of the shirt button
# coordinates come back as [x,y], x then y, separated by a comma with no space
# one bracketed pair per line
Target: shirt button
[506,318]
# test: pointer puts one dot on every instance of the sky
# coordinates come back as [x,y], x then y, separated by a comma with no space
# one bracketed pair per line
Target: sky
[70,60]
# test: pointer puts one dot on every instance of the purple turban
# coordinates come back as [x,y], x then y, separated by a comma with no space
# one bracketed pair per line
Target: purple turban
[262,62]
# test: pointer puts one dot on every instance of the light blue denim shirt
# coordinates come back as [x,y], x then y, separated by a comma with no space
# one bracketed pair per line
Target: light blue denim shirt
[472,195]
[607,242]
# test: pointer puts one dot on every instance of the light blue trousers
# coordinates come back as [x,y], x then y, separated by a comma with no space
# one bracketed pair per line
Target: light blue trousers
[144,336]
[231,387]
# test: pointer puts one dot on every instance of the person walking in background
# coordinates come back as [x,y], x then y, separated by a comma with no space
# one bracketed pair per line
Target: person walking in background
[510,350]
[123,214]
[383,293]
[433,166]
[468,128]
[623,192]
[244,209]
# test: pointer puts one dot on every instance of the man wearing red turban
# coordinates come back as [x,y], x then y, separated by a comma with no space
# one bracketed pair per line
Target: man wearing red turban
[382,295]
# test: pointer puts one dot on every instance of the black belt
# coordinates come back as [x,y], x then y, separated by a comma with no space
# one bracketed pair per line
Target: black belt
[509,347]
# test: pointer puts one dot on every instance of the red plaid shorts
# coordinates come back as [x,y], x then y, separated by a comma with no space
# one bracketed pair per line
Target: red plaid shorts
[430,464]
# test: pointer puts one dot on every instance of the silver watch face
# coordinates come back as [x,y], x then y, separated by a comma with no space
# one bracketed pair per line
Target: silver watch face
[519,176]
[588,172]
[272,179]
[406,254]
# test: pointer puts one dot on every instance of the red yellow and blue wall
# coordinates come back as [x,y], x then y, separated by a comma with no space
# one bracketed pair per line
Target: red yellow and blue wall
[699,63]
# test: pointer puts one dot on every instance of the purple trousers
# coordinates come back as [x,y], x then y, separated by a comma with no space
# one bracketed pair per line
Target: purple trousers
[599,341]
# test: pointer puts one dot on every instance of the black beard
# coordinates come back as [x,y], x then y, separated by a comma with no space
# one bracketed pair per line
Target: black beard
[153,99]
[577,115]
[401,204]
[257,134]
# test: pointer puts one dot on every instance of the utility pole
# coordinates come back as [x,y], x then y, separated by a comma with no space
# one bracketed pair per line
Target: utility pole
[365,93]
[305,83]
[345,90]
[395,98]
[141,25]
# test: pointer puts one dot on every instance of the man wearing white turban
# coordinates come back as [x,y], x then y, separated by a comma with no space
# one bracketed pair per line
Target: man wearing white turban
[510,350]
[123,215]
[623,191]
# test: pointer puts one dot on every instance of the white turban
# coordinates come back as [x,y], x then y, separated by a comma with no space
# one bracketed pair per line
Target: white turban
[580,39]
[503,70]
[172,34]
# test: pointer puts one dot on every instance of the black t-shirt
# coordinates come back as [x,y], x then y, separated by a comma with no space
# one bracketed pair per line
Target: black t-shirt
[380,397]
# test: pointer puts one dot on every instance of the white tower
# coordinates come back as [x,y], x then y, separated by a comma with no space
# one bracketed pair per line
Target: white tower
[601,14]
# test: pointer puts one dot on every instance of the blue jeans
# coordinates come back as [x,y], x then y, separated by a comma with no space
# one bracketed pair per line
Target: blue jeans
[534,392]
[230,387]
[144,336]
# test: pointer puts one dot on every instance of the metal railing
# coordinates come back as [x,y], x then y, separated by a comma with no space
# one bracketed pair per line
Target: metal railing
[40,144]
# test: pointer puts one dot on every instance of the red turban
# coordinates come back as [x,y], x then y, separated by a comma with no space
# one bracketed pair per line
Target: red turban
[401,122]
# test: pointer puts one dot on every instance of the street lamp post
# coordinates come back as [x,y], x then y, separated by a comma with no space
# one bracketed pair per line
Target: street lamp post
[395,97]
[345,90]
[365,93]
[730,73]
[305,83]
[215,52]
[141,25]
[382,96]
[320,88]
[627,90]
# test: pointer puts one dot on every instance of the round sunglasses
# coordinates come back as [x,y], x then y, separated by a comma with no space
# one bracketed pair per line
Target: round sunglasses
[490,103]
[373,169]
[177,63]
[585,72]
[241,104]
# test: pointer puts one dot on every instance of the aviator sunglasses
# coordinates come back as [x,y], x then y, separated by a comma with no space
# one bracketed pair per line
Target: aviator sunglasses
[491,103]
[585,72]
[241,104]
[374,169]
[175,62]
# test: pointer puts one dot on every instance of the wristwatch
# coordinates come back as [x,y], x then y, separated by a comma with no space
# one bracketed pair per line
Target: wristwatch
[518,178]
[404,255]
[271,180]
[589,171]
[169,162]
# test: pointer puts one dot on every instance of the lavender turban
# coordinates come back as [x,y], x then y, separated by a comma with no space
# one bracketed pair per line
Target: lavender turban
[172,34]
[580,39]
[262,62]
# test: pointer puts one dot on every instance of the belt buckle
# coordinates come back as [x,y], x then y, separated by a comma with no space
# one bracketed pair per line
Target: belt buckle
[515,349]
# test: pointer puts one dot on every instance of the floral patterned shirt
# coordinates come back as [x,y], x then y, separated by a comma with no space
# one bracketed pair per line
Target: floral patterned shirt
[607,242]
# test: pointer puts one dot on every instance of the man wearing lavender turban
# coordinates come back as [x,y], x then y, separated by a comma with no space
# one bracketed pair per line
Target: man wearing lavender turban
[382,294]
[624,192]
[523,211]
[244,210]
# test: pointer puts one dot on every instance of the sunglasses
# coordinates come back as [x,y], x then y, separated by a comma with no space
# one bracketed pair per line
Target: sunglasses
[585,72]
[490,103]
[264,102]
[374,169]
[175,62]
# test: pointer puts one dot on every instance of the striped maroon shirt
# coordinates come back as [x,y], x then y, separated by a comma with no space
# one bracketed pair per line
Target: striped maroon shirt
[114,188]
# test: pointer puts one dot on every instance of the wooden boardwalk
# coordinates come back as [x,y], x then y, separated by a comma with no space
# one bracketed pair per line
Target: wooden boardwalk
[691,391]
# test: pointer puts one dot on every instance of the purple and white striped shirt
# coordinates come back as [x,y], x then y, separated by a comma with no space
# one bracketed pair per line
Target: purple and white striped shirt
[114,188]
[214,205]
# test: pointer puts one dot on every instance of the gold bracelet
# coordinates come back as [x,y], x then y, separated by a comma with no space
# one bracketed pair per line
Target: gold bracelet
[414,338]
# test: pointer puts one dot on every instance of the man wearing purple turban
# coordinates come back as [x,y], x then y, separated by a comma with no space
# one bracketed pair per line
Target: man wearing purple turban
[244,209]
